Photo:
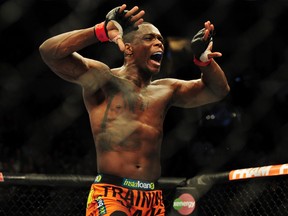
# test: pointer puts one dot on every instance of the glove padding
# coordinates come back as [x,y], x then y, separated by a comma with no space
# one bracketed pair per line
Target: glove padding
[120,21]
[199,45]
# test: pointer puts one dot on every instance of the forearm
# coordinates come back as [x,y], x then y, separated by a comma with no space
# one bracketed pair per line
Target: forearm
[60,54]
[214,78]
[61,46]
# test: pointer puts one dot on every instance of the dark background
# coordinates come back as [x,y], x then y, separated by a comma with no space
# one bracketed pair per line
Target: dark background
[44,127]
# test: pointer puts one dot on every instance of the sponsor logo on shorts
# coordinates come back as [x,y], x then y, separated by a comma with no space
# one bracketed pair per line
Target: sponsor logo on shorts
[136,184]
[101,206]
[184,204]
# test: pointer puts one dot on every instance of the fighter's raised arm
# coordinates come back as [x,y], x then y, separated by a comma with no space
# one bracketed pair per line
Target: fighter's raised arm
[213,85]
[60,52]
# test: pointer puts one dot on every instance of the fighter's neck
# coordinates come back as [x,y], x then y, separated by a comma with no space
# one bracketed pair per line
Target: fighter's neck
[139,77]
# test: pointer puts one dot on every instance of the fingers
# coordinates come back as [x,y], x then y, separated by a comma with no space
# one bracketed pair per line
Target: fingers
[132,11]
[214,55]
[209,27]
[119,41]
[122,8]
[210,45]
[138,16]
[135,17]
[120,44]
[138,22]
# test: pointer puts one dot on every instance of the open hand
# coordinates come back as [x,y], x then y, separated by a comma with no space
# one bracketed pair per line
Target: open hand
[131,18]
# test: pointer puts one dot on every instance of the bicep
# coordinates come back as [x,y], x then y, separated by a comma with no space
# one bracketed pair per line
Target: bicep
[192,93]
[69,68]
[86,72]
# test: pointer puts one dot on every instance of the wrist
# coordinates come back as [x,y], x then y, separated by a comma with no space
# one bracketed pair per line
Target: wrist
[100,33]
[200,63]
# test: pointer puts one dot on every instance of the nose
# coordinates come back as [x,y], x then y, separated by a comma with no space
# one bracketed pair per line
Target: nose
[159,43]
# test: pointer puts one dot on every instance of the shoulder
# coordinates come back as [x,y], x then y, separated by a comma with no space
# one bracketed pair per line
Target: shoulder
[166,86]
[168,82]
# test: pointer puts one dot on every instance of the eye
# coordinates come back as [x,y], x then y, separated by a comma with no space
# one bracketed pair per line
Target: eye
[148,37]
[151,37]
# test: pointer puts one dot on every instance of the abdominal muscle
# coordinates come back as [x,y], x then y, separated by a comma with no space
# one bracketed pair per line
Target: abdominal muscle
[134,155]
[129,165]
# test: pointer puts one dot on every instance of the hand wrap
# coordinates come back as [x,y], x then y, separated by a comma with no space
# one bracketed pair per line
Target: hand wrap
[199,48]
[122,23]
[100,32]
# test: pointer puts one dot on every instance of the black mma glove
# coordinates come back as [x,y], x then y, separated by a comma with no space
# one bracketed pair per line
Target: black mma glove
[120,21]
[199,48]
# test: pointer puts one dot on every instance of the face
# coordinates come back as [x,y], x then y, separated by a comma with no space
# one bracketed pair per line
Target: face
[148,48]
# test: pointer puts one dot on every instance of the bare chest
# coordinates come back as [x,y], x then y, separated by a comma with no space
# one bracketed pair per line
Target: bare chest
[130,119]
[125,108]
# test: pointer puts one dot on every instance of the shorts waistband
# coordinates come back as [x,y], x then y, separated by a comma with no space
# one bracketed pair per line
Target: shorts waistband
[125,182]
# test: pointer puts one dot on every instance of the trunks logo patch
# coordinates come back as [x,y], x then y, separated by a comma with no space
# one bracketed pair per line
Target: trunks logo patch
[136,184]
[101,206]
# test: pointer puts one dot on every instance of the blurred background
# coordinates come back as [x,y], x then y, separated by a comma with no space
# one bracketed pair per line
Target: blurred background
[44,127]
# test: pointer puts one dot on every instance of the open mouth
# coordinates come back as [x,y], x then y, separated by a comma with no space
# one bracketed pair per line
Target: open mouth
[157,56]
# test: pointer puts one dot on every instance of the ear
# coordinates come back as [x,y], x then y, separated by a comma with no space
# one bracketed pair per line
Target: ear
[128,49]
